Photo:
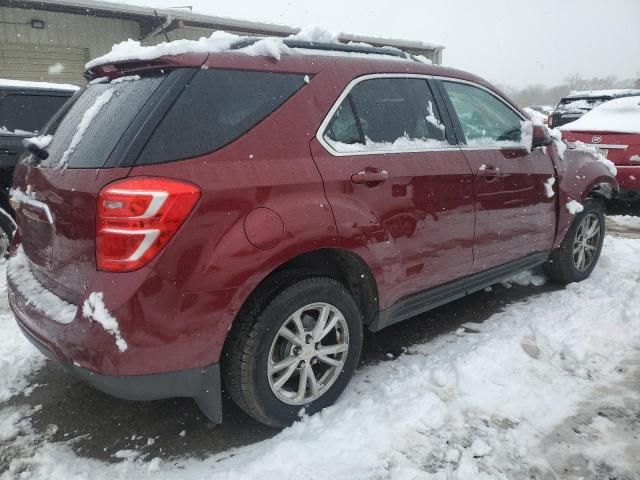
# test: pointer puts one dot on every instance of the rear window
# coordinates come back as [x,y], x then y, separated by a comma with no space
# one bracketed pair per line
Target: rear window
[28,112]
[101,114]
[214,109]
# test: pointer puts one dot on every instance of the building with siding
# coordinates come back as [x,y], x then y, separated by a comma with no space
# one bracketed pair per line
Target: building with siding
[52,40]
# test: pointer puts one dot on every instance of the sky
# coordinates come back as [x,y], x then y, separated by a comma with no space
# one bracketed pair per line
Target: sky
[512,42]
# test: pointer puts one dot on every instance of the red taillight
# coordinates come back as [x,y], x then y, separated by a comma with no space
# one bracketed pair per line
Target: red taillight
[136,218]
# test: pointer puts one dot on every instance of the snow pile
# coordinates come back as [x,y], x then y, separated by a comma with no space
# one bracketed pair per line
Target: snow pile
[95,309]
[87,118]
[548,187]
[134,50]
[525,279]
[621,115]
[526,134]
[594,152]
[34,295]
[626,221]
[40,142]
[18,358]
[220,41]
[315,35]
[561,146]
[401,144]
[574,207]
[21,133]
[536,117]
[470,406]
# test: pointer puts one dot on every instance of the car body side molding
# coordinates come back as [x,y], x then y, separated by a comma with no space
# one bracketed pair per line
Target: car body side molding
[435,297]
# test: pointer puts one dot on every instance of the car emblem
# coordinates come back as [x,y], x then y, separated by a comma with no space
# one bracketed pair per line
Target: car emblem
[596,139]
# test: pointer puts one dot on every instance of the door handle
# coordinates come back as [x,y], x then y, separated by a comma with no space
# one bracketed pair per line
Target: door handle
[488,171]
[370,176]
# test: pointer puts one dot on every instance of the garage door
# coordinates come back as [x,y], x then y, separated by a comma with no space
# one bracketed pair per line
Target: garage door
[53,63]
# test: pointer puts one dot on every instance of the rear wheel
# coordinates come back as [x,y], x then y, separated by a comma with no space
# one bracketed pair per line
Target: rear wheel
[580,250]
[298,350]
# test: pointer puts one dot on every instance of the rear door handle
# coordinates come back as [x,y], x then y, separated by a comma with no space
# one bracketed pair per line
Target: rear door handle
[488,171]
[370,176]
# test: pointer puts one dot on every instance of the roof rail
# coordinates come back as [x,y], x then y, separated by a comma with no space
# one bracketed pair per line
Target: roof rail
[331,47]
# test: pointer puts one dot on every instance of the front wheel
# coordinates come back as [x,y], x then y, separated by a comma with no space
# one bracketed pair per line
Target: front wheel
[580,250]
[297,351]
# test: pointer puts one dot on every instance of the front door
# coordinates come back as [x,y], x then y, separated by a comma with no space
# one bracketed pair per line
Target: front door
[515,211]
[400,191]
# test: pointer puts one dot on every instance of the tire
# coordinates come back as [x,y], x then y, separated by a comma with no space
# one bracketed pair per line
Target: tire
[256,343]
[7,229]
[563,265]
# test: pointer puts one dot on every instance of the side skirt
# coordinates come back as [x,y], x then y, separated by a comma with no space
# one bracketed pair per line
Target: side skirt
[437,296]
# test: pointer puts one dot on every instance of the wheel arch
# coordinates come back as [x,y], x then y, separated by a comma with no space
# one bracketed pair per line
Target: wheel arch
[339,264]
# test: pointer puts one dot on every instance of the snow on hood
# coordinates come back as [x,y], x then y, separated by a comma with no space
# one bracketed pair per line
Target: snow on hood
[218,42]
[620,115]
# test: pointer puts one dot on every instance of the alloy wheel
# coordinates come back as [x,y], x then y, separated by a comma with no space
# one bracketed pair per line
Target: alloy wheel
[308,353]
[587,240]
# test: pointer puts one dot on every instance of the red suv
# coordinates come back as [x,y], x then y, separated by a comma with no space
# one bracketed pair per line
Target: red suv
[226,218]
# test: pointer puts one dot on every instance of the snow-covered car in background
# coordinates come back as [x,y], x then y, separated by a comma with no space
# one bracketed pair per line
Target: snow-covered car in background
[25,107]
[576,104]
[613,129]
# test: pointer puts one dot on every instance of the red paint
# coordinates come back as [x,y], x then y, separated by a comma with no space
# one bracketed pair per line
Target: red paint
[271,195]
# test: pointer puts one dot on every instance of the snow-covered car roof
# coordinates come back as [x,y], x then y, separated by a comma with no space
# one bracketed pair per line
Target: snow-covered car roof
[612,93]
[621,115]
[221,41]
[6,83]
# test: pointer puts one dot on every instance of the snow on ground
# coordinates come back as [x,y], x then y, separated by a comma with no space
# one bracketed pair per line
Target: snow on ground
[519,399]
[628,221]
[18,358]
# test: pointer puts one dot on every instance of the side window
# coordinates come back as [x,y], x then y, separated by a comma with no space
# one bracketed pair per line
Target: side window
[343,127]
[485,119]
[387,114]
[217,107]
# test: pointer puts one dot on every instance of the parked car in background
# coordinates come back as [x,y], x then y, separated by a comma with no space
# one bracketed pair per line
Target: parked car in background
[228,217]
[576,104]
[613,129]
[25,107]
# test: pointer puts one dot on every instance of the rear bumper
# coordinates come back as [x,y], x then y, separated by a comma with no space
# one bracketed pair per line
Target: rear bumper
[201,384]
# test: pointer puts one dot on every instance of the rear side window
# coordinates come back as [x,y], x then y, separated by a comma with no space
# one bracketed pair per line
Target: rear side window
[485,119]
[28,113]
[214,109]
[87,134]
[386,114]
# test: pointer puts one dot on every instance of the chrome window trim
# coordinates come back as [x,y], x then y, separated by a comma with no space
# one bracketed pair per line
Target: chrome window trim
[325,122]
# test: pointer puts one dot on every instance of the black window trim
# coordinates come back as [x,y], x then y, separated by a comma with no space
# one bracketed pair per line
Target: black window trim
[346,92]
[454,116]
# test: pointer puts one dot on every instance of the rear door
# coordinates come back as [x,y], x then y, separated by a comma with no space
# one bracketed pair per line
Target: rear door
[400,191]
[515,216]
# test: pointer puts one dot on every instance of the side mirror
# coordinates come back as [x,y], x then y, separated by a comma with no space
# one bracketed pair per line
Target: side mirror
[541,136]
